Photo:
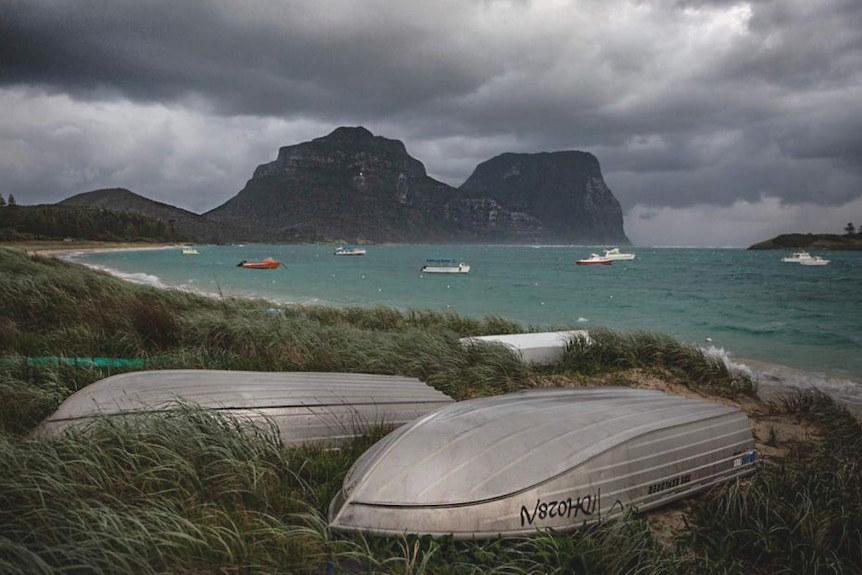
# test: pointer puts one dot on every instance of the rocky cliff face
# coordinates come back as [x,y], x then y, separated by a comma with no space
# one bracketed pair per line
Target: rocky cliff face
[563,190]
[347,186]
[354,186]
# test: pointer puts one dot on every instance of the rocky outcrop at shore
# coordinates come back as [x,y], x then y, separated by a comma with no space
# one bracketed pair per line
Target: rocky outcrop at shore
[810,242]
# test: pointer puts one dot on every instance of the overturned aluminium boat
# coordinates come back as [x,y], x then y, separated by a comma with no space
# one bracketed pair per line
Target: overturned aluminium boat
[553,458]
[542,348]
[307,407]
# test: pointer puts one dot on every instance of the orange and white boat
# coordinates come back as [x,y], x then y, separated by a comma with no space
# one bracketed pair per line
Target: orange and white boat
[264,264]
[595,259]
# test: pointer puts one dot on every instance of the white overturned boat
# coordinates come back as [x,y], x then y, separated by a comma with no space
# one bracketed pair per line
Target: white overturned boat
[555,458]
[307,407]
[540,348]
[445,266]
[614,254]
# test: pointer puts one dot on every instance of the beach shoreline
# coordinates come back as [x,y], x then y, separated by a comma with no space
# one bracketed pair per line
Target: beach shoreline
[59,248]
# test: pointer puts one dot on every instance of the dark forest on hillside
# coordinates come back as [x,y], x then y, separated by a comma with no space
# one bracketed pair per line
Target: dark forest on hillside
[48,222]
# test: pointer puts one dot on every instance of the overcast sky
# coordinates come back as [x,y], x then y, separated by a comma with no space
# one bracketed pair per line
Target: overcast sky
[715,122]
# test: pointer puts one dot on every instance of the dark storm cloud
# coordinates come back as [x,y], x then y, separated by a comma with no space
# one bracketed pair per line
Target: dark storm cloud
[685,102]
[249,58]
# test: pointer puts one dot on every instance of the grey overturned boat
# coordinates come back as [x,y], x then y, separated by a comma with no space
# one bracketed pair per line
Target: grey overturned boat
[513,464]
[306,407]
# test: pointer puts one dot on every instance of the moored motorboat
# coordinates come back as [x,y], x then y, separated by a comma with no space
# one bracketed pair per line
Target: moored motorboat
[349,251]
[541,459]
[264,264]
[614,254]
[797,257]
[595,259]
[814,261]
[445,266]
[190,251]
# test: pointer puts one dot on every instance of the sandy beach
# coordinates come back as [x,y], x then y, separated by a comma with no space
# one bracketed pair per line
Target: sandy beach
[57,248]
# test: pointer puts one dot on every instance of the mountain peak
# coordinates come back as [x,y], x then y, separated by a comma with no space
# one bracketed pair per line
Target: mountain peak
[352,134]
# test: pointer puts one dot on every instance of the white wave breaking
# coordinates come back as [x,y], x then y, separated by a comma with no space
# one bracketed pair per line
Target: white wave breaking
[774,380]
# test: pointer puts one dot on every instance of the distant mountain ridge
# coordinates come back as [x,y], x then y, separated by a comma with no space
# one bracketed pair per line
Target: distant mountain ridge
[353,186]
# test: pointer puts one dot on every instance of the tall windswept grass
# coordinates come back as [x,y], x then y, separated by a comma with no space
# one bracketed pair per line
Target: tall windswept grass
[187,490]
[605,349]
[801,514]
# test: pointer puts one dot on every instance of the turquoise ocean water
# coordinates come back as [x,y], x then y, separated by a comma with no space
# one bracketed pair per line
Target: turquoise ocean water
[800,322]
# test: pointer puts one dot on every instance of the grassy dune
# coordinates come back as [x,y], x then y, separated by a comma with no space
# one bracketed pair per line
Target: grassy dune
[195,492]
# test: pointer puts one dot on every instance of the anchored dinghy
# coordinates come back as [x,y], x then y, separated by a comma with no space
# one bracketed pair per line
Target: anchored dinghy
[307,407]
[513,464]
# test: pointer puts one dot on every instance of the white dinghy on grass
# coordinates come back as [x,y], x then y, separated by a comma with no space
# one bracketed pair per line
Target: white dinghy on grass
[307,407]
[553,458]
[542,348]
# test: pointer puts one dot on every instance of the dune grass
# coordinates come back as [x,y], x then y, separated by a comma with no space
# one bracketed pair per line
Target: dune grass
[191,491]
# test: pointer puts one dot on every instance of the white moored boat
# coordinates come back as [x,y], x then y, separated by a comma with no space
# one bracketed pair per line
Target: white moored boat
[797,257]
[349,251]
[190,251]
[541,459]
[615,254]
[445,266]
[595,259]
[814,261]
[306,407]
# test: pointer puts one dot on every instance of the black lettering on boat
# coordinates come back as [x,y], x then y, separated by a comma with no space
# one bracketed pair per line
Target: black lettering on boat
[668,484]
[568,508]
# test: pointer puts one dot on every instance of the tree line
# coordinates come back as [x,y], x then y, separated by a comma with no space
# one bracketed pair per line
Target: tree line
[52,222]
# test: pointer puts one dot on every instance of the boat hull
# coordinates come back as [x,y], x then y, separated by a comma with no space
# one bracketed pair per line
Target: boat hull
[307,408]
[545,459]
[814,262]
[349,252]
[616,255]
[542,348]
[445,270]
[266,264]
[593,262]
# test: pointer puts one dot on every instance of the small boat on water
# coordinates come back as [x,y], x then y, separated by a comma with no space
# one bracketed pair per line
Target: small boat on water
[797,257]
[615,254]
[190,251]
[264,264]
[814,261]
[595,259]
[445,266]
[557,459]
[349,251]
